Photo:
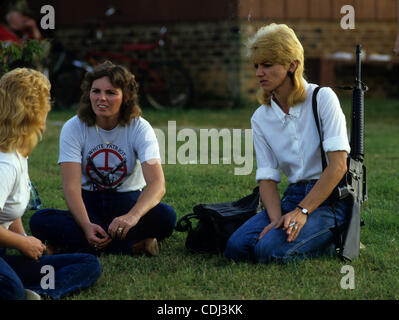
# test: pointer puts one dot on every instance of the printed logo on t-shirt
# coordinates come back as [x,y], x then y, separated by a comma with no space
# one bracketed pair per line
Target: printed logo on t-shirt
[106,166]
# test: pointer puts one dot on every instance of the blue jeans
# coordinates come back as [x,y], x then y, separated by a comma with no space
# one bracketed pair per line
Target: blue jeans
[72,272]
[58,227]
[315,237]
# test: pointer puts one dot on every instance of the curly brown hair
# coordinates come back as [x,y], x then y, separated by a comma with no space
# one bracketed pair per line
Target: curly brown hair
[120,78]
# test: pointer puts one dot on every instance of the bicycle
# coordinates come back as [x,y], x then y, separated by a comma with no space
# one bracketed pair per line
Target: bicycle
[66,75]
[162,84]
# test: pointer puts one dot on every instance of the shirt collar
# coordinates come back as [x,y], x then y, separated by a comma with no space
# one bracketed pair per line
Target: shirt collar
[281,115]
[294,111]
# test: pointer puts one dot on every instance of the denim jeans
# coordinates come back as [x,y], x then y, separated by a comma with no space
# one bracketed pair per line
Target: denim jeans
[72,272]
[315,237]
[58,227]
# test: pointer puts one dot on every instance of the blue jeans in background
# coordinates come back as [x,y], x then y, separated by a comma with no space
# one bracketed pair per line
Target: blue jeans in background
[315,237]
[72,272]
[58,227]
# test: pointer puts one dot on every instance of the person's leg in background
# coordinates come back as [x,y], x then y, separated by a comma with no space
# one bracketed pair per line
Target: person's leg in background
[11,287]
[56,275]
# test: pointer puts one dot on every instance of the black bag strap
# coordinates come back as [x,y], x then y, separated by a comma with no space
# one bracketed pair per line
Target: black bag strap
[184,223]
[316,118]
[337,232]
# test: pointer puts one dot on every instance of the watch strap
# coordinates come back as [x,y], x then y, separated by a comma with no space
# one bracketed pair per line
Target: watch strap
[303,210]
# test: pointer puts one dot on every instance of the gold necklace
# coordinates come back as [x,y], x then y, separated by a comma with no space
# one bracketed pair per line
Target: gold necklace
[108,142]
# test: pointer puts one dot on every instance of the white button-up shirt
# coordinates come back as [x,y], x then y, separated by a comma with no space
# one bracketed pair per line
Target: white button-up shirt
[291,142]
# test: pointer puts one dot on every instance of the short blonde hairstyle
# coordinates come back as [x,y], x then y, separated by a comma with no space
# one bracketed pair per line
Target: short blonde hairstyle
[24,104]
[277,43]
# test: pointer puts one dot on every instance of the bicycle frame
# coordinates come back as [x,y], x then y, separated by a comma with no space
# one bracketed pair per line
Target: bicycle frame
[162,83]
[141,64]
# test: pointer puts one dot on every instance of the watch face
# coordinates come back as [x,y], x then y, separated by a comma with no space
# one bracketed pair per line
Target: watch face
[303,210]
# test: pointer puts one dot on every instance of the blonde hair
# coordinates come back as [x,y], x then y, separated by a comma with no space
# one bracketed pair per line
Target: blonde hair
[277,43]
[24,104]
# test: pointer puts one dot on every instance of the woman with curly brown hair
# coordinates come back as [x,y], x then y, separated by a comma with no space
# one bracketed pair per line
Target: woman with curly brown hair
[24,104]
[112,175]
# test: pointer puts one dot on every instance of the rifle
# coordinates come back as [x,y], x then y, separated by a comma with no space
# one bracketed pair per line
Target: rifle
[354,182]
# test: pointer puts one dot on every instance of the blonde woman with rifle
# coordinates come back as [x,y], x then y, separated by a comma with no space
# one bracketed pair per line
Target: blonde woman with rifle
[286,138]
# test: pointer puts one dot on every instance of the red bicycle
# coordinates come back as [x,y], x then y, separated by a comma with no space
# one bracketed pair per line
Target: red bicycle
[162,84]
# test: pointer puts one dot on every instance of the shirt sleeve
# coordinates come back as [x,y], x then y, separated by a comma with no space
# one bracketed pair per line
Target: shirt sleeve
[333,122]
[71,142]
[8,176]
[267,164]
[146,143]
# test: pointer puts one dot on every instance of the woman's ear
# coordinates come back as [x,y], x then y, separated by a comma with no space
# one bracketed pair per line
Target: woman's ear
[293,66]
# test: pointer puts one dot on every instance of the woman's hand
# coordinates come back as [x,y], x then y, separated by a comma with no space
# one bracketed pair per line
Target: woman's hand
[293,222]
[71,183]
[270,226]
[271,199]
[148,199]
[32,247]
[96,236]
[120,226]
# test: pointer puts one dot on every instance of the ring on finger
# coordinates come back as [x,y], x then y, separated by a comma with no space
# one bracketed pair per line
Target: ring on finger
[120,229]
[293,224]
[295,227]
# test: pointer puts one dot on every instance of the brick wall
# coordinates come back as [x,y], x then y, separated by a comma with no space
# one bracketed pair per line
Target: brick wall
[380,10]
[320,39]
[208,50]
[208,38]
[317,24]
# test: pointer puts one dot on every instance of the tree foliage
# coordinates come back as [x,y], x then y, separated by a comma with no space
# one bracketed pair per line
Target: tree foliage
[26,54]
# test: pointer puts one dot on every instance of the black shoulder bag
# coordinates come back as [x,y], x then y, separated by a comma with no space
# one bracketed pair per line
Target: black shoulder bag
[217,222]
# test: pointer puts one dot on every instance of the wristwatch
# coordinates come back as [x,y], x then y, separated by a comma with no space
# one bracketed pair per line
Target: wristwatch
[303,210]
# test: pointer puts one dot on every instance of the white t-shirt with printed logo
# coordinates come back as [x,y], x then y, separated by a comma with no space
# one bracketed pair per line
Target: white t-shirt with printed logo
[109,166]
[14,187]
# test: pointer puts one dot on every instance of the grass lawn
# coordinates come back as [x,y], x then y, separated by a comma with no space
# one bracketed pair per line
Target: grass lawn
[178,274]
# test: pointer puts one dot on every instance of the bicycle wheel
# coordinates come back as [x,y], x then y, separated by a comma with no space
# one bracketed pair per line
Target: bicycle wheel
[65,87]
[165,85]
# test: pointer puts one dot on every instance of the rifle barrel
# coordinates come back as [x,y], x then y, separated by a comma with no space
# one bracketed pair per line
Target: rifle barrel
[357,119]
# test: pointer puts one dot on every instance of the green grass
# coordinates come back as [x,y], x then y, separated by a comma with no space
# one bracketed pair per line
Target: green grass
[178,274]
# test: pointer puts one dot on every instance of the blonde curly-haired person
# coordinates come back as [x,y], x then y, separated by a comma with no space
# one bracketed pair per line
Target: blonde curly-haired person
[24,105]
